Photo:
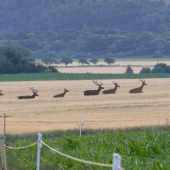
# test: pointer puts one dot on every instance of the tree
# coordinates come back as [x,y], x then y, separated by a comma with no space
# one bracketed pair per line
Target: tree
[129,69]
[16,61]
[145,70]
[83,61]
[66,60]
[161,68]
[157,54]
[108,59]
[94,61]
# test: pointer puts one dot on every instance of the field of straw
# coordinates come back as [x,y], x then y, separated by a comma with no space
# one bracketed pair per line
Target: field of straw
[45,113]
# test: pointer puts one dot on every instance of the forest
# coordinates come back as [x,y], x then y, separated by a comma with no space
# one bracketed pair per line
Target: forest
[86,29]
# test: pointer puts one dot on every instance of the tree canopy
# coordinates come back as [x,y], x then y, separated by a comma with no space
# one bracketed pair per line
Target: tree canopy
[16,59]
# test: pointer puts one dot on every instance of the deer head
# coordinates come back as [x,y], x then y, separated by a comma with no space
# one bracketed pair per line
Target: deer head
[1,93]
[116,84]
[66,90]
[100,85]
[34,91]
[143,82]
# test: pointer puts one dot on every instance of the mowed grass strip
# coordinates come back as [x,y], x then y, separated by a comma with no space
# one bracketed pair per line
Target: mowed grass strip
[75,76]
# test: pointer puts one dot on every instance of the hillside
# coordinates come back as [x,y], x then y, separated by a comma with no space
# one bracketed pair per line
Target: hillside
[92,28]
[127,15]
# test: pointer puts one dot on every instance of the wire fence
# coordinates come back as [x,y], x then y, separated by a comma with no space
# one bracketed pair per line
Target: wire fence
[116,165]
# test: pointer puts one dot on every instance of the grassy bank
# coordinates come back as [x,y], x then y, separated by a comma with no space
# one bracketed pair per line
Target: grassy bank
[140,148]
[75,76]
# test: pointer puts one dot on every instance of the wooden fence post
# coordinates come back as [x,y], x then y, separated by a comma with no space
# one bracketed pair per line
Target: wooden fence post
[3,155]
[4,128]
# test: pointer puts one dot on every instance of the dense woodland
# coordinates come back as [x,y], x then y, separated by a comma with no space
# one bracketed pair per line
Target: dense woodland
[86,29]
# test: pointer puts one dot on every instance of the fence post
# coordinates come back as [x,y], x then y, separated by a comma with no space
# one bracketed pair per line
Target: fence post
[3,155]
[4,128]
[39,145]
[81,123]
[116,161]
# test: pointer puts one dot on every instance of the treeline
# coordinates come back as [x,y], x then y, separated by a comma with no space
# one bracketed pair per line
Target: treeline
[15,59]
[126,15]
[88,43]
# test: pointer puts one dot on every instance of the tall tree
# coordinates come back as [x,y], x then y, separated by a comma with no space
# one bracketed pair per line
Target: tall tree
[83,61]
[108,59]
[94,61]
[66,60]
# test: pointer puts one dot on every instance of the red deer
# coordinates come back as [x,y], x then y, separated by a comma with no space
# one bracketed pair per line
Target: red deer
[139,89]
[111,91]
[94,92]
[61,94]
[1,93]
[30,97]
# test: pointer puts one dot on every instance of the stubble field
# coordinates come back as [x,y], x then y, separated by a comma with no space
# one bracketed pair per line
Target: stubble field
[118,110]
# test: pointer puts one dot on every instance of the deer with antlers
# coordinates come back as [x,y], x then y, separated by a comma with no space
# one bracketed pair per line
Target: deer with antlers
[30,97]
[94,92]
[61,94]
[139,89]
[111,91]
[1,93]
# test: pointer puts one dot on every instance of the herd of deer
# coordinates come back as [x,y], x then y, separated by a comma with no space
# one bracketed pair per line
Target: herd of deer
[87,92]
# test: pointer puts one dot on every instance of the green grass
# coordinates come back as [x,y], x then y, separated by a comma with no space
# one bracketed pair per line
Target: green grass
[74,76]
[140,148]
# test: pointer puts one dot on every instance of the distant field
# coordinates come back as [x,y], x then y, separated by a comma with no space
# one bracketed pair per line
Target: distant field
[120,110]
[118,67]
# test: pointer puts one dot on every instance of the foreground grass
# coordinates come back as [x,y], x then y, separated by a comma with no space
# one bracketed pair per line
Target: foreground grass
[140,149]
[75,76]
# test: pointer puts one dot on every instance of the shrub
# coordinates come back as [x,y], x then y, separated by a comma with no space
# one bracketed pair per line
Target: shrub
[158,70]
[145,70]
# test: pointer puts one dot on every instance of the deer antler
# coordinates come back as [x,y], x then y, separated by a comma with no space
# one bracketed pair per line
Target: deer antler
[141,80]
[33,90]
[95,82]
[115,83]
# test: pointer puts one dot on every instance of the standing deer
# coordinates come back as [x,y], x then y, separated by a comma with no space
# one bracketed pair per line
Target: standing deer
[111,91]
[94,92]
[62,94]
[139,89]
[1,93]
[30,97]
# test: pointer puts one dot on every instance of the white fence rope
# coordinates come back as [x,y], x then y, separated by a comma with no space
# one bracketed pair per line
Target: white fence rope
[9,147]
[77,159]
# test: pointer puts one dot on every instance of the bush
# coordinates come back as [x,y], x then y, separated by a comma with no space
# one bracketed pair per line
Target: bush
[145,70]
[52,69]
[158,70]
[161,68]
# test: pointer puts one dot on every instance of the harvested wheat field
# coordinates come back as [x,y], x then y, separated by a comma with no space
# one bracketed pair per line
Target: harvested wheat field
[118,110]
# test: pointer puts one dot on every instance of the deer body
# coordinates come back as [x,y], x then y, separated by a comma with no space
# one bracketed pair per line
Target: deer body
[111,91]
[61,94]
[139,89]
[30,97]
[94,92]
[1,93]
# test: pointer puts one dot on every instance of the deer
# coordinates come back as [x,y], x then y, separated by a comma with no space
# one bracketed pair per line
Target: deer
[30,97]
[61,94]
[111,91]
[94,92]
[1,93]
[139,89]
